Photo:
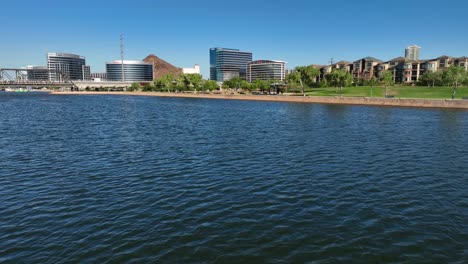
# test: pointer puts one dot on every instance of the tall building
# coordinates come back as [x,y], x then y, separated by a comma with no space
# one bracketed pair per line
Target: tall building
[226,64]
[266,70]
[412,52]
[134,71]
[65,66]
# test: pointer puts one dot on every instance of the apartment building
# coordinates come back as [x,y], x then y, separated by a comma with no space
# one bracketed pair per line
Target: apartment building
[365,68]
[408,69]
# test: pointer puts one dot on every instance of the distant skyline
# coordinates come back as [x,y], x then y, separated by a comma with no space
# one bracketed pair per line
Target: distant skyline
[300,32]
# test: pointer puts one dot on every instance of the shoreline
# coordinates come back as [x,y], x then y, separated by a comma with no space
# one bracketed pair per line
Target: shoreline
[368,101]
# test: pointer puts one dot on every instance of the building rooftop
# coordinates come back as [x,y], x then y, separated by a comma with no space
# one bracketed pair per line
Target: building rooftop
[397,59]
[368,58]
[444,57]
[67,55]
[266,61]
[128,62]
[342,62]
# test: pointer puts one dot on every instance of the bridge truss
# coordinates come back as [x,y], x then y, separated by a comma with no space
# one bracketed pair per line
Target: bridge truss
[16,78]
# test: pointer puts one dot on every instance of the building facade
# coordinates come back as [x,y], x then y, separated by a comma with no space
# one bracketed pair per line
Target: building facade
[98,76]
[226,64]
[409,71]
[266,70]
[37,73]
[86,73]
[364,68]
[64,66]
[342,65]
[194,70]
[134,71]
[412,52]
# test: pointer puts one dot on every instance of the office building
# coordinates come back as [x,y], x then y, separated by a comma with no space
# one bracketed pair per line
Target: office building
[65,66]
[412,52]
[134,71]
[37,73]
[86,73]
[266,70]
[226,64]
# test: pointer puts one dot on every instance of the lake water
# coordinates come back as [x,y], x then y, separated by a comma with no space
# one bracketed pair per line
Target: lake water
[95,179]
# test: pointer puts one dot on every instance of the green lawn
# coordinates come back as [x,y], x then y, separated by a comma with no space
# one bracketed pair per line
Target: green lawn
[397,92]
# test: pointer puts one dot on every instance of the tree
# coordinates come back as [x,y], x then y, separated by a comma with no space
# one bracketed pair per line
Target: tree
[372,82]
[260,85]
[183,82]
[304,75]
[211,85]
[195,80]
[455,75]
[339,78]
[431,78]
[293,79]
[387,79]
[236,83]
[165,82]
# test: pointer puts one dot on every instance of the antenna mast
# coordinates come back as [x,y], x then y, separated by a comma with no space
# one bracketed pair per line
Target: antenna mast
[122,56]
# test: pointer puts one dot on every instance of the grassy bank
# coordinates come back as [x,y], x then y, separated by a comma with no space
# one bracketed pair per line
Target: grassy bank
[397,92]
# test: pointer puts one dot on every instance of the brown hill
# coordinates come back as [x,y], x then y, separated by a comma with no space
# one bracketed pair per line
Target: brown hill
[162,67]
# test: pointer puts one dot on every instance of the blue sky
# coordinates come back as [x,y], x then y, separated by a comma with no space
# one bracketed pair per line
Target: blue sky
[300,32]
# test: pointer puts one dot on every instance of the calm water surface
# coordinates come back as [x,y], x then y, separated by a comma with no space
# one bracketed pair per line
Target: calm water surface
[98,179]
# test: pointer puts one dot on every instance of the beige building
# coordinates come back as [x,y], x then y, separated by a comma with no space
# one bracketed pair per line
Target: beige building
[408,69]
[365,68]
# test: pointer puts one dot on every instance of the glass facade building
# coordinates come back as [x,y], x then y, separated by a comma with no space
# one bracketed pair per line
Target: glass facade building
[134,71]
[65,66]
[266,70]
[86,73]
[226,64]
[37,73]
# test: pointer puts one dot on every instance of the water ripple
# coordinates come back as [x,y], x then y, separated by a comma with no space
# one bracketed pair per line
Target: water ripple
[134,179]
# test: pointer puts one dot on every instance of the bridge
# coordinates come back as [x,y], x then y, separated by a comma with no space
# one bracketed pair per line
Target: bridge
[18,78]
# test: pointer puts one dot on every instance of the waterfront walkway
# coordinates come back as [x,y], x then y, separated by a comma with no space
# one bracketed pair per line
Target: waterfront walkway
[399,102]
